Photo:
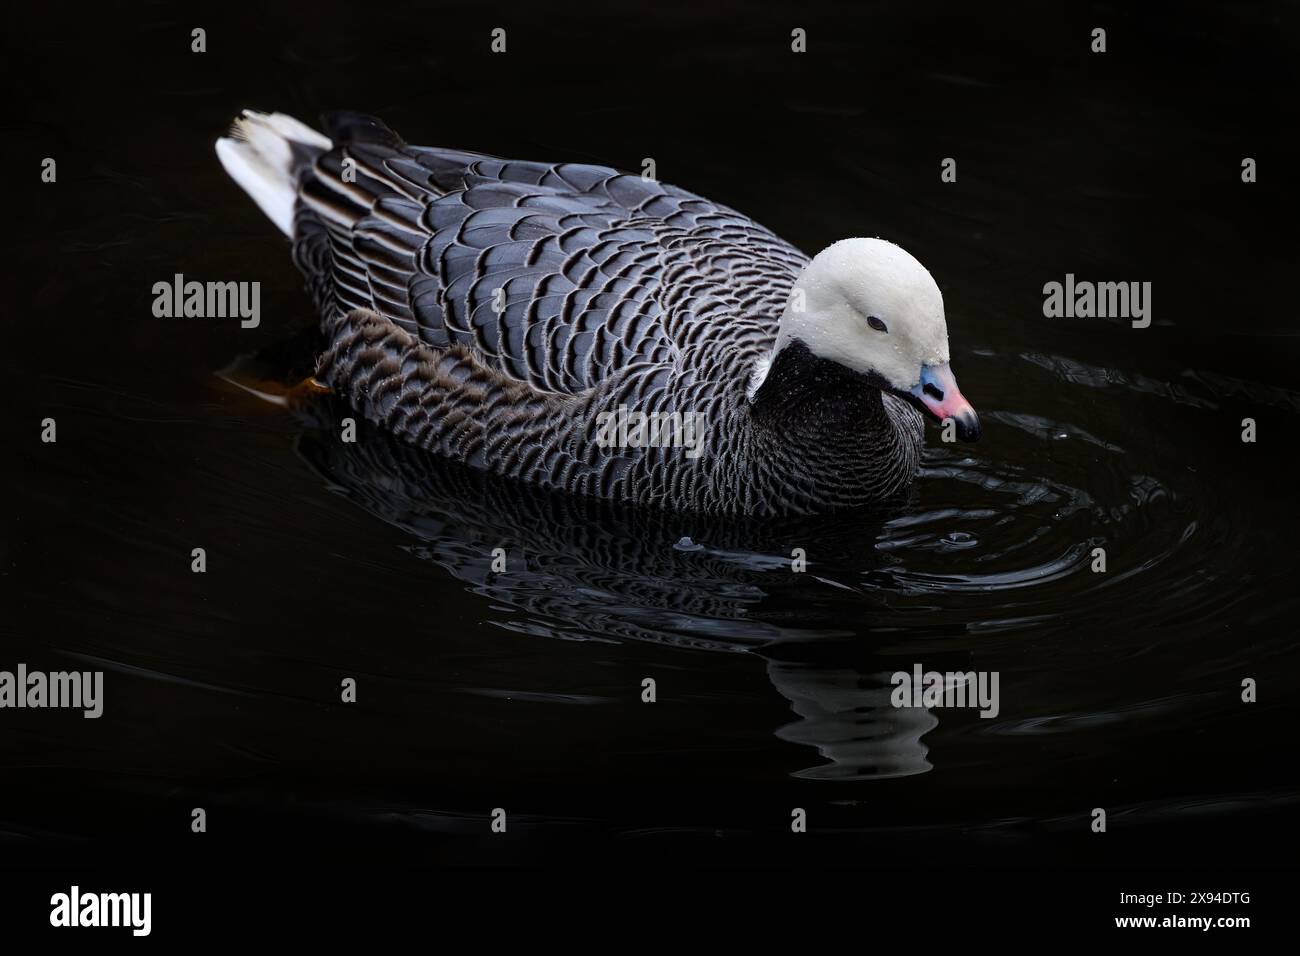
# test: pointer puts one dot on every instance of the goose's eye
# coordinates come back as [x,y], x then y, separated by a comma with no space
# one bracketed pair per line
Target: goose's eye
[876,324]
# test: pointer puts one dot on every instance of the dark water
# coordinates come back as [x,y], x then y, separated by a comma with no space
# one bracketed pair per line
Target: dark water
[523,690]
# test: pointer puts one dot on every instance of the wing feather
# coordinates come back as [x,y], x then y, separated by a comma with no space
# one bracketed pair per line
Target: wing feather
[557,275]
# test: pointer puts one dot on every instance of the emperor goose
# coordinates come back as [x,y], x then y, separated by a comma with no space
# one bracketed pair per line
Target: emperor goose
[599,332]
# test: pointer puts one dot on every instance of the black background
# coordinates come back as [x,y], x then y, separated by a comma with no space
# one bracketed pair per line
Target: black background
[1125,164]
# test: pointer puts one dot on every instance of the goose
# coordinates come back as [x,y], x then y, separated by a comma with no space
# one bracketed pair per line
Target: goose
[503,313]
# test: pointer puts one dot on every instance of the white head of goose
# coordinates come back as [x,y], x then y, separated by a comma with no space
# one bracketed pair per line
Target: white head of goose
[868,305]
[599,333]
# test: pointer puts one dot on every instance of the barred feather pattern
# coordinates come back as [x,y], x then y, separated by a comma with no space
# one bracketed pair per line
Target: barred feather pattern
[491,310]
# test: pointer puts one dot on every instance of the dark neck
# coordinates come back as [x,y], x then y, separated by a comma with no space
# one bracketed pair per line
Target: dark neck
[832,432]
[802,389]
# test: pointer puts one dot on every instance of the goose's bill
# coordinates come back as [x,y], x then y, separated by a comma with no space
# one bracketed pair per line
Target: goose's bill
[937,394]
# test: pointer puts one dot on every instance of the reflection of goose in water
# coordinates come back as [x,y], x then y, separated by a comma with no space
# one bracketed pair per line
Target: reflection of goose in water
[583,569]
[847,716]
[985,551]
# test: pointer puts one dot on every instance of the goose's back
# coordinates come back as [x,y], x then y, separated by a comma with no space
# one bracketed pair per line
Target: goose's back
[558,276]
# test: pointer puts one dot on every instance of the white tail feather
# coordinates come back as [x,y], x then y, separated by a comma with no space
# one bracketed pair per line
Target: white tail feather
[257,155]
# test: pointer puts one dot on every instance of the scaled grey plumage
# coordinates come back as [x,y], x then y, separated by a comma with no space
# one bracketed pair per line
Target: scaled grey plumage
[616,291]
